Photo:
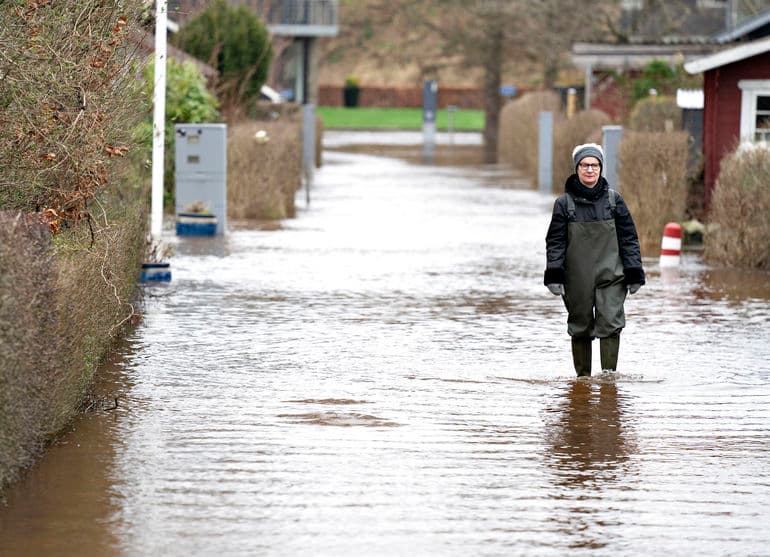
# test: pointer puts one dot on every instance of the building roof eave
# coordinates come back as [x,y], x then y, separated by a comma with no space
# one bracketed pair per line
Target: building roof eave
[146,45]
[728,56]
[743,29]
[303,30]
[607,56]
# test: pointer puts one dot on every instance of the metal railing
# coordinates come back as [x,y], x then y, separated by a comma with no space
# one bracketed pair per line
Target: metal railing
[298,12]
[283,17]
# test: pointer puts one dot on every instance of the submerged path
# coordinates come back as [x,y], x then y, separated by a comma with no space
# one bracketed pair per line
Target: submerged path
[386,375]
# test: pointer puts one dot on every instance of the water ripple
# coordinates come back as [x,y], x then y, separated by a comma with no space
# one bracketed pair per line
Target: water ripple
[386,375]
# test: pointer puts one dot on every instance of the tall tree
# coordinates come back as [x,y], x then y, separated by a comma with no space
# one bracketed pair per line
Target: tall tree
[554,25]
[482,35]
[489,36]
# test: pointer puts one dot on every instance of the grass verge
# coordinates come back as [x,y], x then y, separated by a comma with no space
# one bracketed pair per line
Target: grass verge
[373,118]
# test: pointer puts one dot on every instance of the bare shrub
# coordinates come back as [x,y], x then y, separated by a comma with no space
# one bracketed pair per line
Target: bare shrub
[585,126]
[61,306]
[263,176]
[654,114]
[739,226]
[652,171]
[27,327]
[69,96]
[70,100]
[519,130]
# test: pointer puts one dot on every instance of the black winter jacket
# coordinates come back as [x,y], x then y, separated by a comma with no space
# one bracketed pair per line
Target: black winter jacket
[591,204]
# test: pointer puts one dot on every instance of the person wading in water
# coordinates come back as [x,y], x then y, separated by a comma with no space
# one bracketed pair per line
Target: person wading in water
[593,259]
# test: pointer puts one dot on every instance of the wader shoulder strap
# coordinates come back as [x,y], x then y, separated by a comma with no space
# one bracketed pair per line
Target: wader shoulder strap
[612,195]
[571,208]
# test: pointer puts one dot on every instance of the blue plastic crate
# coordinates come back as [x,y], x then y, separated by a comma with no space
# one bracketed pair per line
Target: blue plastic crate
[156,272]
[195,224]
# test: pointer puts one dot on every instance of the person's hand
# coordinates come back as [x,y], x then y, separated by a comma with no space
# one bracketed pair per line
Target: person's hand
[556,289]
[634,288]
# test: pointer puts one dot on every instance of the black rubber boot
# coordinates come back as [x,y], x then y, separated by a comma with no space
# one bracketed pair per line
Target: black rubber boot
[608,352]
[581,356]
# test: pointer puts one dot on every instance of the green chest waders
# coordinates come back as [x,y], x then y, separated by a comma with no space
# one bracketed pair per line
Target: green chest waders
[594,289]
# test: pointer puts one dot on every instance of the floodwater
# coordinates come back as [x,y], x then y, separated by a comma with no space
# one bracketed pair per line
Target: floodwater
[385,374]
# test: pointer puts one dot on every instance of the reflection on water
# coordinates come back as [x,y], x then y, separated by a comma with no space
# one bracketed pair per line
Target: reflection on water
[591,438]
[736,285]
[387,375]
[62,503]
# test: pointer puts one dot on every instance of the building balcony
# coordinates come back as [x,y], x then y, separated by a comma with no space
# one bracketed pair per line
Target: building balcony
[294,18]
[299,18]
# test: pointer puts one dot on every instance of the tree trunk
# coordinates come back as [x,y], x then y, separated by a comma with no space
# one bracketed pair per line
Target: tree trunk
[492,81]
[550,71]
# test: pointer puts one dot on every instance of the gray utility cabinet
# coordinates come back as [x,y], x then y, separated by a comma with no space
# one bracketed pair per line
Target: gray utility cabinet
[201,170]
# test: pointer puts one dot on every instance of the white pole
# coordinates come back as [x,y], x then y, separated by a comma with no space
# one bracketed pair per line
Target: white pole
[158,121]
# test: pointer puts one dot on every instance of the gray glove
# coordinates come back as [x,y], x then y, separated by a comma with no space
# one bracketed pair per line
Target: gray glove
[634,288]
[556,289]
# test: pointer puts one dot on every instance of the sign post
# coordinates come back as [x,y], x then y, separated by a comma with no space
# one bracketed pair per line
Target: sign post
[308,147]
[545,149]
[429,107]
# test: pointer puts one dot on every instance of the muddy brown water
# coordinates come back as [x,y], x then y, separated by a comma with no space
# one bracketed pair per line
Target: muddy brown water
[386,375]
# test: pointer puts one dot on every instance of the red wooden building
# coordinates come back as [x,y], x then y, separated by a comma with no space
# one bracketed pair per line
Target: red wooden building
[736,102]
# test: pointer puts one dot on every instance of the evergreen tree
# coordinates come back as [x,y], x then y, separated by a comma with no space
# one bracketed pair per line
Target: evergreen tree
[234,41]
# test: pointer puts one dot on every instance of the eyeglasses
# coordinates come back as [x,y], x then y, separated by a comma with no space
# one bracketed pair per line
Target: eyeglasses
[586,166]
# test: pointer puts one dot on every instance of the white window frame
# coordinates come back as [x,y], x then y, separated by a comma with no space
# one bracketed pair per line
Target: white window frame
[632,5]
[750,90]
[710,4]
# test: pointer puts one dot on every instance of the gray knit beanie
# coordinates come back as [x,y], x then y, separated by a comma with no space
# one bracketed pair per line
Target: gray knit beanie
[588,150]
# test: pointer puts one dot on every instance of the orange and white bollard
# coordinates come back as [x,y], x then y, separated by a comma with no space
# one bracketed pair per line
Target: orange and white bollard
[671,245]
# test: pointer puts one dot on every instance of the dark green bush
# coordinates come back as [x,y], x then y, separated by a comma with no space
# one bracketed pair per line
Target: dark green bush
[188,100]
[236,43]
[657,75]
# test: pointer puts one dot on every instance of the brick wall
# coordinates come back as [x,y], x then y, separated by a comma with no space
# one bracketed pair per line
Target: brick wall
[403,97]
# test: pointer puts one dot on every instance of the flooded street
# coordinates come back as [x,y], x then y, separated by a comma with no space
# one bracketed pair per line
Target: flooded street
[386,375]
